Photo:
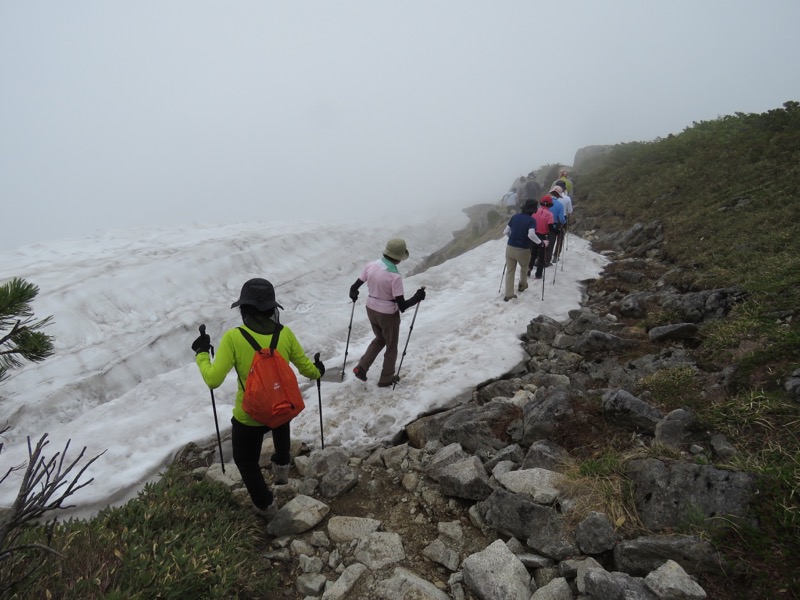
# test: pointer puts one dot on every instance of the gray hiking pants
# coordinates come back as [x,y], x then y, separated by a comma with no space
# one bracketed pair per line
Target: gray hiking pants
[387,332]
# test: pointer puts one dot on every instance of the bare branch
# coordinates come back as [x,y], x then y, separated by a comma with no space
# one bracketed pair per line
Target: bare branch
[46,485]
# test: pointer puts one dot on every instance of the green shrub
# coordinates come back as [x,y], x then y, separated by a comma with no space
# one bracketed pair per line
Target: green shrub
[180,538]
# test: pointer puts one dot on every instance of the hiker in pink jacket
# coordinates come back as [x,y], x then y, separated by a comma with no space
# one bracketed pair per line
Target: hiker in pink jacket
[385,303]
[545,226]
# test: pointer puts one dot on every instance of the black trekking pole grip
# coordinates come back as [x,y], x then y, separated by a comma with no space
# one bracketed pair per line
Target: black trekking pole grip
[214,407]
[210,348]
[319,398]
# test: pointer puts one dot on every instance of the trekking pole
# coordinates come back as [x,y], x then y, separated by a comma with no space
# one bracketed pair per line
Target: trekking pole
[410,329]
[319,396]
[555,271]
[557,254]
[544,271]
[560,245]
[214,406]
[502,277]
[347,345]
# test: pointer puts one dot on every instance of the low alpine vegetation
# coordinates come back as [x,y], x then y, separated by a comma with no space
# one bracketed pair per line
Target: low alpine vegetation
[180,538]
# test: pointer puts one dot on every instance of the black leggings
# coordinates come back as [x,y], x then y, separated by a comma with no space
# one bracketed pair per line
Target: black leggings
[246,441]
[537,258]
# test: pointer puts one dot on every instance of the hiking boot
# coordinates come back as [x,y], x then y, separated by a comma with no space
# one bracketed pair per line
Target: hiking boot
[538,277]
[522,288]
[507,298]
[394,380]
[360,373]
[266,513]
[280,474]
[548,264]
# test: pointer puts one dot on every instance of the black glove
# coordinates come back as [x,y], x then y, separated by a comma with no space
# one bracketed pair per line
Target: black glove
[420,295]
[202,343]
[320,367]
[354,290]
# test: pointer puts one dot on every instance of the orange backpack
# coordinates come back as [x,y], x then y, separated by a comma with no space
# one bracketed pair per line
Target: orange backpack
[271,394]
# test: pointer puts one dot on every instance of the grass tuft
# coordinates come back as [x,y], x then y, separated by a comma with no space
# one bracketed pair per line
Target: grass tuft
[180,538]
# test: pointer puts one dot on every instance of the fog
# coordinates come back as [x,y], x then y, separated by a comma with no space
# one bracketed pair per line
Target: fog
[115,115]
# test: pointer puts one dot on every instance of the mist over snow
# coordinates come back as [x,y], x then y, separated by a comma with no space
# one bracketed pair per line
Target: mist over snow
[128,114]
[127,305]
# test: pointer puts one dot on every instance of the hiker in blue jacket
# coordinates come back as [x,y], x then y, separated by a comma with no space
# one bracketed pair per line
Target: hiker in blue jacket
[521,232]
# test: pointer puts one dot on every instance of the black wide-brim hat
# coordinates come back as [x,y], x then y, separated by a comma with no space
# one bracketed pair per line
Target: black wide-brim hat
[258,293]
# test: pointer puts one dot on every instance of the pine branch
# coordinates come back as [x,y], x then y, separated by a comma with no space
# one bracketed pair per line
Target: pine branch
[15,300]
[11,333]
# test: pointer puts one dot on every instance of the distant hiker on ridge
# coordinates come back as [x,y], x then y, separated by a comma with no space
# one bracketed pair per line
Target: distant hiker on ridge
[563,175]
[532,188]
[384,305]
[521,233]
[510,202]
[519,187]
[260,320]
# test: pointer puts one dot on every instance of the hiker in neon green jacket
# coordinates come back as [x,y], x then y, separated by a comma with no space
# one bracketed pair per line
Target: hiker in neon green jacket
[259,317]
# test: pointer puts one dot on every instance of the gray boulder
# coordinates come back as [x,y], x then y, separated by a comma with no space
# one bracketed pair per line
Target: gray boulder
[544,454]
[596,342]
[513,453]
[602,585]
[490,427]
[543,329]
[540,485]
[678,331]
[514,515]
[644,554]
[556,589]
[441,461]
[635,305]
[406,584]
[428,428]
[379,549]
[543,413]
[583,320]
[722,447]
[626,410]
[298,515]
[497,574]
[595,534]
[671,582]
[792,386]
[675,429]
[466,478]
[707,304]
[673,494]
[340,589]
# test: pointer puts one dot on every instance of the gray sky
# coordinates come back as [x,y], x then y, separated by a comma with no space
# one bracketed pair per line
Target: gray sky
[127,114]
